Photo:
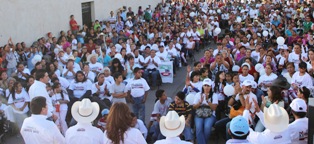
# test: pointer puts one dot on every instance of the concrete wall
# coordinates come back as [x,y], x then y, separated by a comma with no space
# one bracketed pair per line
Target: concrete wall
[28,20]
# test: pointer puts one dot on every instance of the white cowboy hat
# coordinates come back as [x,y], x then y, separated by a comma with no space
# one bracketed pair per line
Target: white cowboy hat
[276,118]
[172,125]
[85,111]
[90,56]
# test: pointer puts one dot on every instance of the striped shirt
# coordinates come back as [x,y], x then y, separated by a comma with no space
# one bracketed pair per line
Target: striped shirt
[185,110]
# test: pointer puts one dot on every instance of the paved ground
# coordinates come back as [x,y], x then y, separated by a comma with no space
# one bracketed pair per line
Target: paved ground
[171,90]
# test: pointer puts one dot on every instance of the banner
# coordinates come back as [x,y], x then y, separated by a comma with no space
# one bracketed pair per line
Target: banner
[166,71]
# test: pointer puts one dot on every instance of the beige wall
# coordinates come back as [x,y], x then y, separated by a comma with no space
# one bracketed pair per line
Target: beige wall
[27,20]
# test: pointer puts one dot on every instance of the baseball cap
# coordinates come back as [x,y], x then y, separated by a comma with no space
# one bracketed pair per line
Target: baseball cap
[104,112]
[254,84]
[207,81]
[239,126]
[247,83]
[298,105]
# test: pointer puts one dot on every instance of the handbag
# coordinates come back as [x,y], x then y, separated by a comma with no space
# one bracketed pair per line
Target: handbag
[203,111]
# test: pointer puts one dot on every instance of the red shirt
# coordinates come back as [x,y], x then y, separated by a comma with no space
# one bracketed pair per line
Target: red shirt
[73,22]
[90,48]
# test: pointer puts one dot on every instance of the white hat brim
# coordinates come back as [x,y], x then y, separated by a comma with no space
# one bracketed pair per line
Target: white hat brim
[82,119]
[280,124]
[171,133]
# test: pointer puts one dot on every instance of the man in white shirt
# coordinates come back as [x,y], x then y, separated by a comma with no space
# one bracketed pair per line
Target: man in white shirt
[84,112]
[22,72]
[137,93]
[94,66]
[172,126]
[276,121]
[37,129]
[39,89]
[152,62]
[162,54]
[239,130]
[129,22]
[299,128]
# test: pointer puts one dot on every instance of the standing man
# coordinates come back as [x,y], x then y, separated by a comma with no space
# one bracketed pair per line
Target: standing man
[38,89]
[73,24]
[137,93]
[84,112]
[36,129]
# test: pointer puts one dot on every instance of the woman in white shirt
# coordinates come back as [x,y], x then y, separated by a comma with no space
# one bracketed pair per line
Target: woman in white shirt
[193,85]
[89,74]
[60,102]
[301,78]
[120,130]
[266,80]
[19,100]
[80,87]
[205,98]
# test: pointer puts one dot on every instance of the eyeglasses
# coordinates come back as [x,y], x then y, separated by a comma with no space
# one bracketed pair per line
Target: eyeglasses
[207,85]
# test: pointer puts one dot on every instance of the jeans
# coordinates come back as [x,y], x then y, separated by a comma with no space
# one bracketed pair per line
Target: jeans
[156,131]
[10,71]
[139,108]
[187,132]
[154,74]
[203,127]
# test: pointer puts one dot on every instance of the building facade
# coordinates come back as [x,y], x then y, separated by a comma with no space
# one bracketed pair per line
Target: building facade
[28,20]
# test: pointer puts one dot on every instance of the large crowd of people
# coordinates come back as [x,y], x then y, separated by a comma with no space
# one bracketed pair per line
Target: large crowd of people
[251,86]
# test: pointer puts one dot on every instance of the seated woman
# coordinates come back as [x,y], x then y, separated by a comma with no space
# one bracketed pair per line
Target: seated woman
[19,100]
[273,96]
[266,80]
[203,124]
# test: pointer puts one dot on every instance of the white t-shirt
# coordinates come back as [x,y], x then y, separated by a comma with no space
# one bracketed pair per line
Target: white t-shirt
[252,96]
[74,44]
[255,55]
[138,87]
[299,131]
[151,65]
[26,71]
[140,126]
[57,97]
[305,80]
[20,100]
[109,79]
[163,55]
[137,61]
[105,85]
[162,109]
[79,88]
[295,58]
[90,75]
[131,136]
[266,79]
[70,76]
[243,78]
[96,66]
[213,100]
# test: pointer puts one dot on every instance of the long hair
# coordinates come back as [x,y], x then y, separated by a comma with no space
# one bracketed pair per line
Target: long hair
[76,75]
[55,86]
[113,68]
[276,94]
[217,81]
[119,120]
[14,88]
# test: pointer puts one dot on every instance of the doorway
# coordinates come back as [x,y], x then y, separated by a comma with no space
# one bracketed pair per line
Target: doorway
[87,13]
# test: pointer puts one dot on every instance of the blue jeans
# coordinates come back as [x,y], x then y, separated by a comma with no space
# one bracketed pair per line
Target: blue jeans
[156,131]
[187,132]
[139,108]
[154,74]
[203,127]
